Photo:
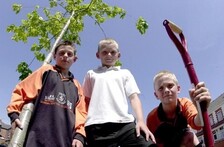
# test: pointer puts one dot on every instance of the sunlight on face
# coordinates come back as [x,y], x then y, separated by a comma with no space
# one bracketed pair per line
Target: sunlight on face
[166,89]
[108,54]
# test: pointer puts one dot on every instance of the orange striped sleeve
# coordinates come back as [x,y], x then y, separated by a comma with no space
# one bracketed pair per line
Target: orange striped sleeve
[81,111]
[27,90]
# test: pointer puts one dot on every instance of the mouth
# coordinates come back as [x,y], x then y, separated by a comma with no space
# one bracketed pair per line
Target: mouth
[109,60]
[167,96]
[65,61]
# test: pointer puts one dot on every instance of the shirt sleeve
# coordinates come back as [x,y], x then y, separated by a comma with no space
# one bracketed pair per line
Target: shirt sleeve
[152,121]
[190,111]
[24,92]
[130,84]
[87,90]
[81,111]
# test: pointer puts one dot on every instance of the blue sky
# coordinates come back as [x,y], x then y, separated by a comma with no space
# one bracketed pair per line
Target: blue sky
[202,23]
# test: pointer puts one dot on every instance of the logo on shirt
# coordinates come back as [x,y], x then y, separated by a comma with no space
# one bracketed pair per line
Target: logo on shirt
[59,100]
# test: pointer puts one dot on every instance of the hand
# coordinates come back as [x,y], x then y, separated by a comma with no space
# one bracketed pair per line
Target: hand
[17,123]
[140,126]
[200,93]
[77,143]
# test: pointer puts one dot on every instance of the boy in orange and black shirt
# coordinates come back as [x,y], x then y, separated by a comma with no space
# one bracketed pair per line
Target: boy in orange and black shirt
[170,122]
[59,112]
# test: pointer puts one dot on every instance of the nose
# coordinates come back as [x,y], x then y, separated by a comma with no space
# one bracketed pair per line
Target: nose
[109,54]
[66,54]
[166,90]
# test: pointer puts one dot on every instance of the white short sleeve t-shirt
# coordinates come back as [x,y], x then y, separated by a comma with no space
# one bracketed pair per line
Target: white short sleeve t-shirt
[108,90]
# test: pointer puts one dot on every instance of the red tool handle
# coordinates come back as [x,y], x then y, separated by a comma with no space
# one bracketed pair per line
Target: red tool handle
[181,45]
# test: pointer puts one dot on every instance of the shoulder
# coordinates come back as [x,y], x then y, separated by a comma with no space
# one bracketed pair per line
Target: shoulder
[77,83]
[152,120]
[46,67]
[152,114]
[41,70]
[125,72]
[185,100]
[90,72]
[187,105]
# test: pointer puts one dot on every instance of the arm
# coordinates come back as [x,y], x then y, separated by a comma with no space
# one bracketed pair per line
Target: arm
[81,113]
[24,92]
[140,126]
[152,120]
[200,93]
[77,143]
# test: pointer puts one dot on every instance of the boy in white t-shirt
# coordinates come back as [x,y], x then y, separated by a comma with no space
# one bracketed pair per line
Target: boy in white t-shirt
[107,90]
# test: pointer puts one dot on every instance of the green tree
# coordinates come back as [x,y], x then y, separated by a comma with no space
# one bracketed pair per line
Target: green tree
[39,22]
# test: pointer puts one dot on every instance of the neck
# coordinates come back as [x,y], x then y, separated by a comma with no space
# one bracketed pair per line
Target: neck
[63,72]
[170,111]
[107,66]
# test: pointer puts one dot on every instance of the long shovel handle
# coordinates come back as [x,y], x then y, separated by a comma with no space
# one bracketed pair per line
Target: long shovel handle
[181,45]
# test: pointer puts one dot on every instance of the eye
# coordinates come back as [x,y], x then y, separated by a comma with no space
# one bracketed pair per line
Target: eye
[160,89]
[70,54]
[170,86]
[61,53]
[104,53]
[113,53]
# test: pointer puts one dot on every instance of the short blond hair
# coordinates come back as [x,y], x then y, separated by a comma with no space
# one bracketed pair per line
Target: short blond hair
[107,41]
[164,73]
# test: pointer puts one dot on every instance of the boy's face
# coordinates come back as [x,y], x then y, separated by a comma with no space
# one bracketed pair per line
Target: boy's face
[65,56]
[108,54]
[166,90]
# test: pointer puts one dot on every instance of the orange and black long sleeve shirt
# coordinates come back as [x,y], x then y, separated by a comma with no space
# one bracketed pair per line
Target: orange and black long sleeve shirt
[59,107]
[165,130]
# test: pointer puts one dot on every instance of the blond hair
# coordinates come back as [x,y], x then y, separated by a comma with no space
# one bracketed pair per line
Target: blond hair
[107,41]
[165,73]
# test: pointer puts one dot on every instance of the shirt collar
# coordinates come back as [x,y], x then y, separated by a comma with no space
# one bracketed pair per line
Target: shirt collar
[162,115]
[70,75]
[104,68]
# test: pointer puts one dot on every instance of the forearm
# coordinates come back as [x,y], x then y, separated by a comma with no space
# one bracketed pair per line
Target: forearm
[200,94]
[197,120]
[80,137]
[137,107]
[81,114]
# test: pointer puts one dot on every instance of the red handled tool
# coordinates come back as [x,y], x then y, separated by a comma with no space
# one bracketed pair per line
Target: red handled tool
[181,45]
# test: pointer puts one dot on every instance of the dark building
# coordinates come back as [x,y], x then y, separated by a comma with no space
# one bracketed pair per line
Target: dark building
[5,133]
[216,116]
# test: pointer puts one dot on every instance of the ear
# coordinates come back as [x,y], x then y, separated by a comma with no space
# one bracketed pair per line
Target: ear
[178,88]
[97,55]
[119,55]
[156,95]
[75,58]
[54,56]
